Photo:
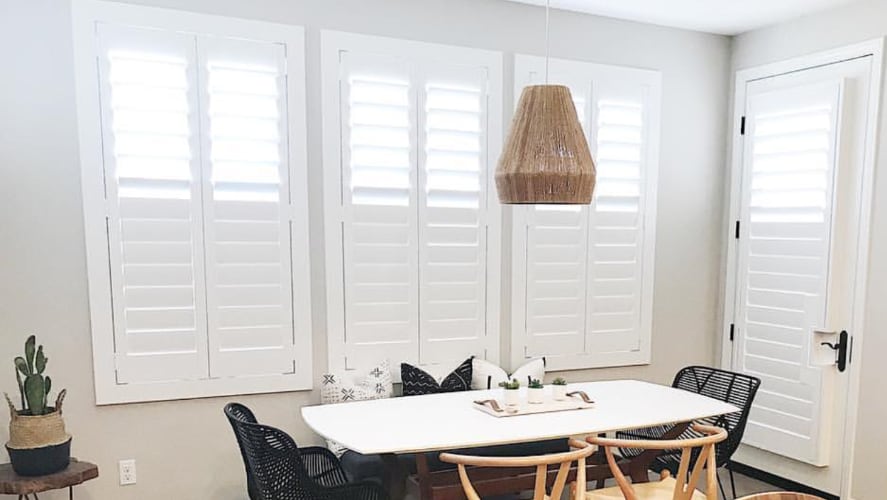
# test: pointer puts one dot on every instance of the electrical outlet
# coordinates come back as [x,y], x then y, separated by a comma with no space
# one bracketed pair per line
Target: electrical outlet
[127,472]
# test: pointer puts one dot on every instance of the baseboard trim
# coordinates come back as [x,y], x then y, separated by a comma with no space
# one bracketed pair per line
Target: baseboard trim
[778,481]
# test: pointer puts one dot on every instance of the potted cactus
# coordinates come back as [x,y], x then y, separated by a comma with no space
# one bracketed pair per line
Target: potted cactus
[559,389]
[535,392]
[38,443]
[512,392]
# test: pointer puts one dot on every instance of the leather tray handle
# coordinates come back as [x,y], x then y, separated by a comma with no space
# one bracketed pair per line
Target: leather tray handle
[491,403]
[581,395]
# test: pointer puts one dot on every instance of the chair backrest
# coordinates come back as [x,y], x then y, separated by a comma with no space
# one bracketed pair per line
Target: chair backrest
[237,412]
[270,456]
[541,462]
[735,388]
[700,449]
[781,495]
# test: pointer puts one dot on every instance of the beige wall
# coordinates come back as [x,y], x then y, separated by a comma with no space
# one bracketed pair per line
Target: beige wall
[185,449]
[855,23]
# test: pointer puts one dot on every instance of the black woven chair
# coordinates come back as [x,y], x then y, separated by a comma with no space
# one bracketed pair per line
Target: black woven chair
[734,388]
[277,469]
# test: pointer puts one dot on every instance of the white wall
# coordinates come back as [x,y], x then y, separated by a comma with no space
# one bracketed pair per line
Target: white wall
[185,450]
[855,23]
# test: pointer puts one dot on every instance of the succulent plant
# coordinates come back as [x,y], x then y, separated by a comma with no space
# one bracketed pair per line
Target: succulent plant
[535,384]
[559,381]
[510,385]
[34,387]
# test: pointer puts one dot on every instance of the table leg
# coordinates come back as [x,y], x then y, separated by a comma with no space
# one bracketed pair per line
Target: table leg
[423,474]
[640,465]
[395,476]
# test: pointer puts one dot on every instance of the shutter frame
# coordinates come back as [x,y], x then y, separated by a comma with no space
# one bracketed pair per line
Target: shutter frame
[86,16]
[334,45]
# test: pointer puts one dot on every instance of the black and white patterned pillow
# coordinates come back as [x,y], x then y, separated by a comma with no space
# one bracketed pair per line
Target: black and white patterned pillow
[342,387]
[417,381]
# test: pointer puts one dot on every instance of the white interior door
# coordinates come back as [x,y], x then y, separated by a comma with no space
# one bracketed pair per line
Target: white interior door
[797,240]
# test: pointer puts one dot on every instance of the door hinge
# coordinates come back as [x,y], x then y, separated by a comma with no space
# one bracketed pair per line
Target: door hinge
[732,331]
[742,126]
[737,230]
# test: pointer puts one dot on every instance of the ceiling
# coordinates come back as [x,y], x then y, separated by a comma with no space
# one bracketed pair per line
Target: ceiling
[725,17]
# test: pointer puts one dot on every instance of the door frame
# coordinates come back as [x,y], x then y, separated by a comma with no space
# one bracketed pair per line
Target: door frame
[874,48]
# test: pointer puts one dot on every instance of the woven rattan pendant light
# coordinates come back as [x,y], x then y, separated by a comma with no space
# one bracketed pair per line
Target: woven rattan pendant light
[546,157]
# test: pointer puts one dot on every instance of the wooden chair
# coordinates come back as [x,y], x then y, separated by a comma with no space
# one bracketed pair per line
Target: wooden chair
[780,495]
[683,487]
[540,462]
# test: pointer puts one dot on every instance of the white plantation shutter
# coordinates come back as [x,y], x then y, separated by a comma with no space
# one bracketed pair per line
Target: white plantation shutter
[784,265]
[246,207]
[409,223]
[617,238]
[452,210]
[195,230]
[379,226]
[583,275]
[154,223]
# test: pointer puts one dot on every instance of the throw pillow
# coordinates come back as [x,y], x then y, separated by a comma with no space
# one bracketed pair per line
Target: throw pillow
[342,387]
[417,381]
[486,375]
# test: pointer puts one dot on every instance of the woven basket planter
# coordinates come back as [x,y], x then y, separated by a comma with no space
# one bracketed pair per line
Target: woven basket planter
[38,444]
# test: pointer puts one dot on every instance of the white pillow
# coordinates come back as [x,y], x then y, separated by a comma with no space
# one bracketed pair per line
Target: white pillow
[486,375]
[342,387]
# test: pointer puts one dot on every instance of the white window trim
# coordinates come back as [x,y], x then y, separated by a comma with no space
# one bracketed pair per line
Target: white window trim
[523,66]
[85,15]
[332,42]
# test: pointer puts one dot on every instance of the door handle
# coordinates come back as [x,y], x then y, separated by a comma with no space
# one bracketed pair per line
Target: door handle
[840,349]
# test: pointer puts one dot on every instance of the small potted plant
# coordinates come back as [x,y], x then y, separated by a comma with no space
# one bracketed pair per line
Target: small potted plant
[38,444]
[559,389]
[512,392]
[535,392]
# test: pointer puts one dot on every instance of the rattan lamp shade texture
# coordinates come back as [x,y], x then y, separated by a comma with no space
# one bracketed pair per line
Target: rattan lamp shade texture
[546,157]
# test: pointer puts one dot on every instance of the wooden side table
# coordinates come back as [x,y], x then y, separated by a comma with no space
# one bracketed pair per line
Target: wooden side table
[27,487]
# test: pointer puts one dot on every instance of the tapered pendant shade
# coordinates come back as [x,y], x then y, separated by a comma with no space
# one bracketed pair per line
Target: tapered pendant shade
[546,157]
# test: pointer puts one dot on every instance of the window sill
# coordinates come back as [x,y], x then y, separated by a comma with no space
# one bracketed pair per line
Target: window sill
[112,394]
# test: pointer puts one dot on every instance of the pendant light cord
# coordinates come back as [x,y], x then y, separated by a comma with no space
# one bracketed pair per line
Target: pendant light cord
[547,36]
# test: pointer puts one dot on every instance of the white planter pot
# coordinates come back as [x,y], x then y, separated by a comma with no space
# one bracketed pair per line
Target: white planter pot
[512,397]
[535,396]
[559,392]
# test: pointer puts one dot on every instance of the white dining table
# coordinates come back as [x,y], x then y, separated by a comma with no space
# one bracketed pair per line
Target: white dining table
[438,422]
[446,421]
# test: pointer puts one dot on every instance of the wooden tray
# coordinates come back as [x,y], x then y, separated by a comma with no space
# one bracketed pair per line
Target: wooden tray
[577,400]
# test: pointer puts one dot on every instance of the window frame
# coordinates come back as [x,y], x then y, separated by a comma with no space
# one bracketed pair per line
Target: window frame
[85,15]
[524,66]
[333,43]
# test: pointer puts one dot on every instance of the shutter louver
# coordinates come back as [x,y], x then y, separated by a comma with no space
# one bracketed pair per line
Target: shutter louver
[453,234]
[784,263]
[247,211]
[153,201]
[380,229]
